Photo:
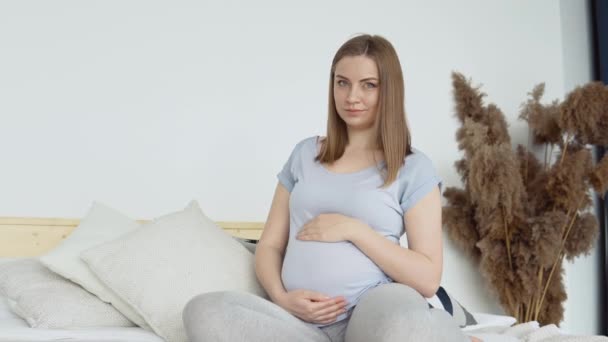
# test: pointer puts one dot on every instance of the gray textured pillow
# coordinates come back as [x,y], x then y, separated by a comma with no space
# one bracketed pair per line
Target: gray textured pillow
[46,300]
[101,224]
[159,267]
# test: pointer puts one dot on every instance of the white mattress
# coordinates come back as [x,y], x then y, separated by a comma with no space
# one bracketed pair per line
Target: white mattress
[489,326]
[15,329]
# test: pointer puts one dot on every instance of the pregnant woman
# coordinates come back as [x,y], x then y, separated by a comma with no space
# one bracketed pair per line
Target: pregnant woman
[329,256]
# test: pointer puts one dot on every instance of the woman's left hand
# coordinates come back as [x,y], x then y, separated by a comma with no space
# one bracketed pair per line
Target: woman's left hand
[329,228]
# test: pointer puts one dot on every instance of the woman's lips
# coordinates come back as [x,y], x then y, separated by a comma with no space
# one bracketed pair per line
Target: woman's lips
[354,113]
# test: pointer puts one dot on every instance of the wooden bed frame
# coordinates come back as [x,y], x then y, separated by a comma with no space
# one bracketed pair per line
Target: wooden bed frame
[24,237]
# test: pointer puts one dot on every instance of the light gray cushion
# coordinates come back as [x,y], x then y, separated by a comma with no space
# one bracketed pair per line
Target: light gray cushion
[159,267]
[102,223]
[46,300]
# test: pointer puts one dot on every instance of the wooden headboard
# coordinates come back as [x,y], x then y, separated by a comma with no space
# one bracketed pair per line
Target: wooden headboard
[21,236]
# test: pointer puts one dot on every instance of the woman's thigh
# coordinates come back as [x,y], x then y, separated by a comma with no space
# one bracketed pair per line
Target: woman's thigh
[396,312]
[241,316]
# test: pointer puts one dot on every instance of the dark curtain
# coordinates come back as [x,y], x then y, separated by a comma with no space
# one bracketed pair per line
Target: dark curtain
[599,18]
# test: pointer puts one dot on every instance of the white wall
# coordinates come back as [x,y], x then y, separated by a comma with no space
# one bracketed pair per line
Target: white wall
[145,106]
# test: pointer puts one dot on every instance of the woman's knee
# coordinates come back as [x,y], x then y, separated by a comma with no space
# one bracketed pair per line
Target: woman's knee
[196,307]
[205,315]
[214,304]
[389,312]
[393,325]
[394,295]
[206,305]
[396,312]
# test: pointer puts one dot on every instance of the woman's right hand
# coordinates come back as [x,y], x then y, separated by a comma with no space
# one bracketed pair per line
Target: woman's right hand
[311,306]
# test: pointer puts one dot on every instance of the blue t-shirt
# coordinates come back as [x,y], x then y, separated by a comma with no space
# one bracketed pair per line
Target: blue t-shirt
[340,268]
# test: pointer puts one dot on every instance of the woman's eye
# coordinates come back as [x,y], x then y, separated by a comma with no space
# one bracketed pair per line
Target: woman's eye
[370,85]
[341,82]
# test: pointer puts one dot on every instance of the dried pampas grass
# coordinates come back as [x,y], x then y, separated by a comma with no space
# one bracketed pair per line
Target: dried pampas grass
[517,216]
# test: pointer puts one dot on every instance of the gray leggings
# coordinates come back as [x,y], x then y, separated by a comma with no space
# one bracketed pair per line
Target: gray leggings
[386,313]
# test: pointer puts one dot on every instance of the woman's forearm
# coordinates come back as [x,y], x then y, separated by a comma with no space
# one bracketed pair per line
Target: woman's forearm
[403,265]
[268,264]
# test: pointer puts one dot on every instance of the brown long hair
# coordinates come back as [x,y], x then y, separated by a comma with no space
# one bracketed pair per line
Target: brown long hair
[392,131]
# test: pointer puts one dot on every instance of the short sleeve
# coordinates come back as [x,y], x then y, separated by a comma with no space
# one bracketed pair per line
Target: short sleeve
[287,175]
[418,178]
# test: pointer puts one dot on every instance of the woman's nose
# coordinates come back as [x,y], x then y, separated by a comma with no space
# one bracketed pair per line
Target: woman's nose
[353,95]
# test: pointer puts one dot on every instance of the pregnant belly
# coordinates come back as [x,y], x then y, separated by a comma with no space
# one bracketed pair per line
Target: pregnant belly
[334,269]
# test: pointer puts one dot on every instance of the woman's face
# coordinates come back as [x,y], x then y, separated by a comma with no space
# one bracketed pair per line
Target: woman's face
[356,91]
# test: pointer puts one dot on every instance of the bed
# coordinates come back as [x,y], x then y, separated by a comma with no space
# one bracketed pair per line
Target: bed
[31,237]
[25,237]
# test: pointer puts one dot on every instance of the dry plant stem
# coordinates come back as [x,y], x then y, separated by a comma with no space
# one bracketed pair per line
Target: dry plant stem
[528,307]
[557,259]
[545,160]
[507,237]
[514,310]
[520,313]
[534,299]
[536,302]
[565,149]
[526,167]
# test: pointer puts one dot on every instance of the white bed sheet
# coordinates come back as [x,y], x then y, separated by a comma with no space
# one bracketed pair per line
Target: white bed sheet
[15,329]
[83,335]
[489,326]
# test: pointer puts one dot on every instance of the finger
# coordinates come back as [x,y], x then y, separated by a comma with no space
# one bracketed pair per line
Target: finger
[330,317]
[339,307]
[317,296]
[329,321]
[334,299]
[302,233]
[326,305]
[311,237]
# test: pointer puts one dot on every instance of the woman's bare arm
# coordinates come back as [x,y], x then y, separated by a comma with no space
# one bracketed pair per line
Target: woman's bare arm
[420,265]
[271,247]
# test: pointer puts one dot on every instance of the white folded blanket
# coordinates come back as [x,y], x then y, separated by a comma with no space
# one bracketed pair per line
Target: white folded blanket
[532,332]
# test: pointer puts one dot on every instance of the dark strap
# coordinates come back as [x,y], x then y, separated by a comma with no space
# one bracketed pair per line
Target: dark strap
[445,300]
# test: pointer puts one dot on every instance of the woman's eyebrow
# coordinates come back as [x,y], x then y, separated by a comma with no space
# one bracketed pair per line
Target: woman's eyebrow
[365,79]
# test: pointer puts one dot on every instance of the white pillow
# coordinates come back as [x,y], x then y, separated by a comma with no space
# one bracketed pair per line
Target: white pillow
[485,320]
[8,317]
[159,267]
[101,224]
[46,300]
